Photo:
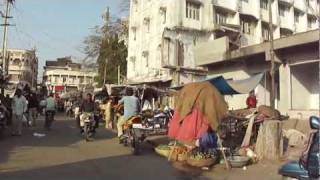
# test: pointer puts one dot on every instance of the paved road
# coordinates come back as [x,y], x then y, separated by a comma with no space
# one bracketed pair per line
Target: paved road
[63,154]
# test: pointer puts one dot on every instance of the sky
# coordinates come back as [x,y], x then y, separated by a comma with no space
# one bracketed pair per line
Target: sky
[56,28]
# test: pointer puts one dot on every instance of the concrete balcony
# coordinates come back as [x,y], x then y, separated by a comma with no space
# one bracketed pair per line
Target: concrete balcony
[286,2]
[264,15]
[228,5]
[286,24]
[247,9]
[300,5]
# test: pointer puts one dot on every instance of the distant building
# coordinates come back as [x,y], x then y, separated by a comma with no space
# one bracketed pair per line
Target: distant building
[63,75]
[22,67]
[163,34]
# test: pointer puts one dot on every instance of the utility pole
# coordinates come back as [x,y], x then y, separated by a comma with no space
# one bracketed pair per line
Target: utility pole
[119,76]
[105,72]
[5,34]
[272,71]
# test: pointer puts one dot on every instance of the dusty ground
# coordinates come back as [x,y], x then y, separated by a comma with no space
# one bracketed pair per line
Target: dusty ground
[63,154]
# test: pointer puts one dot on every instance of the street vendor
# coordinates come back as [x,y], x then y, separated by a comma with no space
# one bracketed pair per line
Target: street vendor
[252,100]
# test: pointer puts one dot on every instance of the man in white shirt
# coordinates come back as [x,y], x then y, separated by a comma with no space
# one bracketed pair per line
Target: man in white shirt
[19,107]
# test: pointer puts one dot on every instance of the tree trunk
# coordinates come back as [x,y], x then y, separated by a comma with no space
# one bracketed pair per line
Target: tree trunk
[269,142]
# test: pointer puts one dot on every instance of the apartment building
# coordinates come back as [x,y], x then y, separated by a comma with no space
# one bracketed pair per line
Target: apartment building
[63,75]
[22,67]
[163,34]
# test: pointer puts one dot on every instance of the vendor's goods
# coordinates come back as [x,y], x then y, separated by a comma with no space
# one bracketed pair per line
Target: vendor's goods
[163,150]
[201,159]
[238,161]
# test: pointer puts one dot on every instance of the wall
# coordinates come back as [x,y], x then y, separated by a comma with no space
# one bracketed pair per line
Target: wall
[305,86]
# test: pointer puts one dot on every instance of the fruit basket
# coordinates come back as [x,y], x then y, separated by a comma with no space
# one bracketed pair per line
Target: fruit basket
[199,159]
[163,150]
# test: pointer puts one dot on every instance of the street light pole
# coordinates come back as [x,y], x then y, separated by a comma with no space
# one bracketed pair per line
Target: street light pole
[272,71]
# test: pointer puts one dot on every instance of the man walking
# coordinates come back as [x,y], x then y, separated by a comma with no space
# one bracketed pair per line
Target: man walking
[19,107]
[33,108]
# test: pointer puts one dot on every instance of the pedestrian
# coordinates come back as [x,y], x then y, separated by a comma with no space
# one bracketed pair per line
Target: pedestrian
[252,100]
[33,109]
[7,103]
[50,110]
[19,107]
[107,113]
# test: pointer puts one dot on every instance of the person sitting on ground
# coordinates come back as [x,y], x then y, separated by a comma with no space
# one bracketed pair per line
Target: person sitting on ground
[131,108]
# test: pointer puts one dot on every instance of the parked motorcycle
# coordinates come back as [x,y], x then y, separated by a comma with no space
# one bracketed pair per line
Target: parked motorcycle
[87,124]
[308,165]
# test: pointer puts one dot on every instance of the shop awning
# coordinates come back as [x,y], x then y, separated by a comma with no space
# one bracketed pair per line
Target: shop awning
[230,87]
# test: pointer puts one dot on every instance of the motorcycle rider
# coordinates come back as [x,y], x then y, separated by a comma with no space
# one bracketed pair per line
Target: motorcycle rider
[50,108]
[131,108]
[89,106]
[5,111]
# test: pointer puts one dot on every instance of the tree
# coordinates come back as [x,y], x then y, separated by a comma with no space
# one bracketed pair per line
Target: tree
[107,47]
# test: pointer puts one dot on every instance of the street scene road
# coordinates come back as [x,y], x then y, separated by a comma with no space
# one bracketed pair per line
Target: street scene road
[63,154]
[160,89]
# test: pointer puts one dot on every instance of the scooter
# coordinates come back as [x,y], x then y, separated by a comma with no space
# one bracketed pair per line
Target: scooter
[308,165]
[87,124]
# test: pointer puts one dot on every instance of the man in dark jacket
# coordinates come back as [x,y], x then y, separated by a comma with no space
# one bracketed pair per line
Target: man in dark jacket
[33,109]
[89,106]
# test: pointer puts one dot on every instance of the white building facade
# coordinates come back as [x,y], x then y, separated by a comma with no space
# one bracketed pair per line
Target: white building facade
[22,67]
[163,34]
[65,76]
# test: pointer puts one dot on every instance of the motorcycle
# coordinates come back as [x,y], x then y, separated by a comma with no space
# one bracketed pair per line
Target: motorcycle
[308,165]
[87,124]
[133,135]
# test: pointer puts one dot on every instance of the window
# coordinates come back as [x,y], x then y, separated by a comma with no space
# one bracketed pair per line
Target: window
[283,10]
[134,31]
[193,10]
[247,27]
[265,33]
[221,18]
[311,21]
[245,1]
[296,16]
[264,4]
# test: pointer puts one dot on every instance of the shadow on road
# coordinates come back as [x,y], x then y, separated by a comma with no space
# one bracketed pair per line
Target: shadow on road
[63,133]
[118,168]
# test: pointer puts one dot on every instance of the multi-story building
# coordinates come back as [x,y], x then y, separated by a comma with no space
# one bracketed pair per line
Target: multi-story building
[22,67]
[163,34]
[64,76]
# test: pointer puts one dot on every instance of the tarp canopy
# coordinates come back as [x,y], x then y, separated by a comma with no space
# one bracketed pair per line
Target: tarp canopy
[231,87]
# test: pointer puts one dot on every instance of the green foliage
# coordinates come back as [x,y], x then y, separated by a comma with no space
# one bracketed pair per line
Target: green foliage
[109,51]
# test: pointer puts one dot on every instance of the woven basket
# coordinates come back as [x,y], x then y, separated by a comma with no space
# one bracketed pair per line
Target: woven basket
[201,162]
[163,152]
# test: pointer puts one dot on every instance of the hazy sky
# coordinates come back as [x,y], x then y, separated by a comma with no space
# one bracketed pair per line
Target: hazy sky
[56,28]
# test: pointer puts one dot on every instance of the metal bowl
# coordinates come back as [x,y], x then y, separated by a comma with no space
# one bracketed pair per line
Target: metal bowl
[238,161]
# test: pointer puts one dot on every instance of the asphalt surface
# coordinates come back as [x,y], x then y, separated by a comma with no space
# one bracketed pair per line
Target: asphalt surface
[63,154]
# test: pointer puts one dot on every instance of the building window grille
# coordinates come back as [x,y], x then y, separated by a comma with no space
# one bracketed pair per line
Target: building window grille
[192,10]
[264,4]
[265,33]
[296,17]
[221,18]
[247,27]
